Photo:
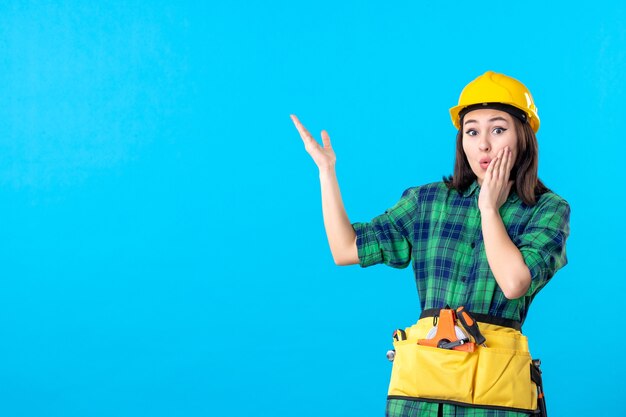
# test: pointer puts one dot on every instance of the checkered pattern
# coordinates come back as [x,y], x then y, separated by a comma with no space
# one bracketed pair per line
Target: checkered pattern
[406,408]
[439,230]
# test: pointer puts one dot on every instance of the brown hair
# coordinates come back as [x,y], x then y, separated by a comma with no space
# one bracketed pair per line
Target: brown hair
[526,183]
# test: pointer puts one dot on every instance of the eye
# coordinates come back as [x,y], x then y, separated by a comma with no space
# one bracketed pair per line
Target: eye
[499,130]
[471,132]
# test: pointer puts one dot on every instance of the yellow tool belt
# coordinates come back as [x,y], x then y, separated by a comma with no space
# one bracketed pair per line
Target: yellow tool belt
[496,376]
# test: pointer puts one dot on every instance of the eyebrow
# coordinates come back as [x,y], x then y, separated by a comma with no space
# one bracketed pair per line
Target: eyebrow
[493,119]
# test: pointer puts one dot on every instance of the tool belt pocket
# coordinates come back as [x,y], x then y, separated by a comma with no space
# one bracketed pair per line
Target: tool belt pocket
[503,379]
[487,377]
[432,373]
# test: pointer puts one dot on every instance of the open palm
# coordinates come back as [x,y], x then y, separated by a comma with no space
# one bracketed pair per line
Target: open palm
[323,156]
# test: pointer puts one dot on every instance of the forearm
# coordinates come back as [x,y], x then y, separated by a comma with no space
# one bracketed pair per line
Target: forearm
[504,258]
[341,235]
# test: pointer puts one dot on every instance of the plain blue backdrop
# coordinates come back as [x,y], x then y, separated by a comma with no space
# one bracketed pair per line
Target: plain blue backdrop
[162,246]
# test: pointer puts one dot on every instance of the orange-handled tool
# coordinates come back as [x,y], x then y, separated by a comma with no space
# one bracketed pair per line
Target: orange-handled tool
[470,325]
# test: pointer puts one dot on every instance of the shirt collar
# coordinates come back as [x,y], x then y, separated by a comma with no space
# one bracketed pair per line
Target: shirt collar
[471,189]
[475,188]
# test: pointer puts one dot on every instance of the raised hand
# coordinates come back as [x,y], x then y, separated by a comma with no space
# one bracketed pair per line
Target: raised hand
[496,185]
[324,157]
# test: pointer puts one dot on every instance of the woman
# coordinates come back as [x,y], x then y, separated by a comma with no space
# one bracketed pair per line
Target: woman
[487,238]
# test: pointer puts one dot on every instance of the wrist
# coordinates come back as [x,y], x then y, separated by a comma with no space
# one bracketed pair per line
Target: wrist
[489,212]
[326,172]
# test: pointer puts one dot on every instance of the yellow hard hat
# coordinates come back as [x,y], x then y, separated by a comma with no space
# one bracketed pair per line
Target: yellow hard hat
[492,88]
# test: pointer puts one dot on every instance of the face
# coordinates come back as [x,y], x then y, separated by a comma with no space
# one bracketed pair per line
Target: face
[485,133]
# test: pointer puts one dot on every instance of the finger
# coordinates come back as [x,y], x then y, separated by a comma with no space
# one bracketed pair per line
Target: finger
[489,172]
[326,139]
[503,164]
[508,187]
[509,164]
[506,191]
[301,129]
[496,166]
[295,120]
[304,133]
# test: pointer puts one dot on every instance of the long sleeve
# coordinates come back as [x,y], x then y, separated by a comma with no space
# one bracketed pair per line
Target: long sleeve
[542,242]
[386,239]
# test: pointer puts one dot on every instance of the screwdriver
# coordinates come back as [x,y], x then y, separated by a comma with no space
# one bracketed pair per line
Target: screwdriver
[470,325]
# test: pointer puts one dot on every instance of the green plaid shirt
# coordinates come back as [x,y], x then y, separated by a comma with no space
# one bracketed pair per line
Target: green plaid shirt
[439,230]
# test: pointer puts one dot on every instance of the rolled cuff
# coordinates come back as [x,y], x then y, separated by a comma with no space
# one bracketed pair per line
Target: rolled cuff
[367,245]
[540,271]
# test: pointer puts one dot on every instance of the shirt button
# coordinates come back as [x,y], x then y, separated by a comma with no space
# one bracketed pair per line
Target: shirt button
[463,279]
[473,245]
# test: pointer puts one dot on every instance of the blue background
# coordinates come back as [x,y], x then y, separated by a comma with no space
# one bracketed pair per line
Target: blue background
[162,246]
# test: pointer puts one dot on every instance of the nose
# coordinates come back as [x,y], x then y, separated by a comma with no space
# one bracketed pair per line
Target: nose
[483,143]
